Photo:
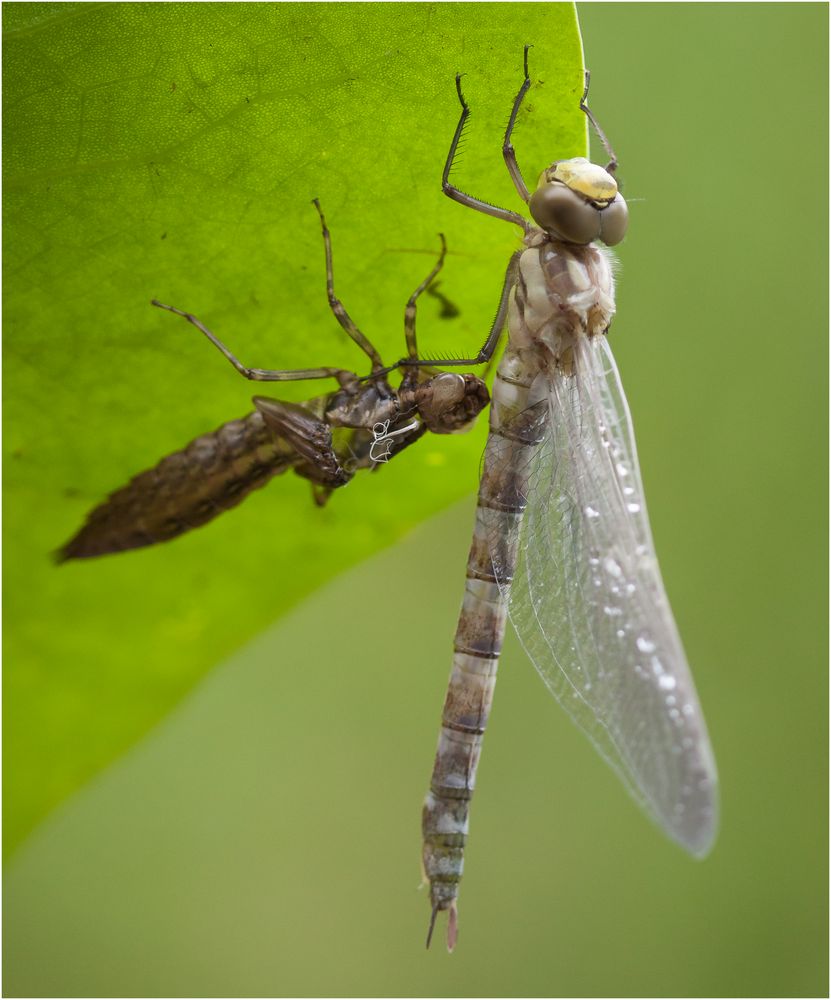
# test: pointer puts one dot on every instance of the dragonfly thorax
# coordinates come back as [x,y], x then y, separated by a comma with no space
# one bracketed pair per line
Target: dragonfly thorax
[564,293]
[365,406]
[577,201]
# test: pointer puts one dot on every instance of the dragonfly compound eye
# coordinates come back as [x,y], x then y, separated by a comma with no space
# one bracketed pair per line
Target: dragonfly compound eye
[577,201]
[613,222]
[565,214]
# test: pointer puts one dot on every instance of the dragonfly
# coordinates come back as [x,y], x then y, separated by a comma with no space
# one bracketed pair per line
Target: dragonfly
[363,424]
[562,543]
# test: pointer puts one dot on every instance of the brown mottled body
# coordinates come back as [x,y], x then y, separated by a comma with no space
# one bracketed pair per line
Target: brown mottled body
[326,440]
[184,490]
[561,292]
[363,423]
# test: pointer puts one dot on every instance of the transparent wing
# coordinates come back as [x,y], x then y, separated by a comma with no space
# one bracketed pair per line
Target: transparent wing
[590,608]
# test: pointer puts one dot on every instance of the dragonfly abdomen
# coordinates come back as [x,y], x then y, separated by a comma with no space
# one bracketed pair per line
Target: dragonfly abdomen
[479,637]
[464,718]
[184,490]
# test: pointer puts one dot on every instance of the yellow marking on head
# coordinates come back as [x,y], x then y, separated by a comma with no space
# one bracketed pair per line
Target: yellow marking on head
[584,177]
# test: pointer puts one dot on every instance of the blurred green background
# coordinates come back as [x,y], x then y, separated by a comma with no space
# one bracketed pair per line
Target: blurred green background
[264,839]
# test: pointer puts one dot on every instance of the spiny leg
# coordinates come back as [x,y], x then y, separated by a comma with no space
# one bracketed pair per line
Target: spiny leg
[261,374]
[508,152]
[309,436]
[410,311]
[341,315]
[611,166]
[497,326]
[458,195]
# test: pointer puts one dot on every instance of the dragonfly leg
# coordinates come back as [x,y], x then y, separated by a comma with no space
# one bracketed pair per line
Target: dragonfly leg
[343,376]
[456,193]
[341,315]
[508,152]
[487,350]
[612,165]
[310,438]
[410,311]
[321,494]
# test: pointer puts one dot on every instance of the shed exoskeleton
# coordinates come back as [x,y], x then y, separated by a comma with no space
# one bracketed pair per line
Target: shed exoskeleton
[362,424]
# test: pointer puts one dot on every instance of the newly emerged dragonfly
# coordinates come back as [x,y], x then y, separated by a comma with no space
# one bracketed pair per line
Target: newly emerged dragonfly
[361,425]
[562,542]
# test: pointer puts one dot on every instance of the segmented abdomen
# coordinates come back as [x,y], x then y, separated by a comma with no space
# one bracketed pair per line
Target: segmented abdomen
[186,489]
[515,424]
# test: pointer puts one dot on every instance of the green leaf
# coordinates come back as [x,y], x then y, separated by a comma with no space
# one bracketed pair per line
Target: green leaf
[172,150]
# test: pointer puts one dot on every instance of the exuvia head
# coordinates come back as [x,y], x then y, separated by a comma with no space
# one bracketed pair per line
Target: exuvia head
[577,201]
[449,402]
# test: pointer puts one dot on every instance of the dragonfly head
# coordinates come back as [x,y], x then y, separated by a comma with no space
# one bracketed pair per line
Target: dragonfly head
[578,201]
[449,402]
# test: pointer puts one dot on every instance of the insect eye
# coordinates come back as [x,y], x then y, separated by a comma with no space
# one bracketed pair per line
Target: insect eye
[613,222]
[560,211]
